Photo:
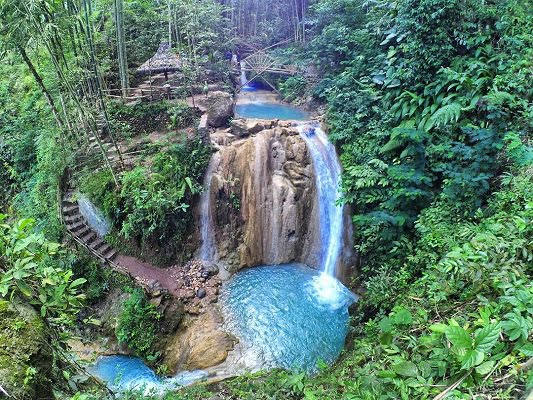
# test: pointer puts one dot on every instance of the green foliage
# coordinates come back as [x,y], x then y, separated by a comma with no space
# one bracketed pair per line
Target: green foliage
[180,115]
[31,161]
[293,88]
[430,93]
[197,392]
[155,202]
[139,118]
[32,268]
[138,324]
[98,277]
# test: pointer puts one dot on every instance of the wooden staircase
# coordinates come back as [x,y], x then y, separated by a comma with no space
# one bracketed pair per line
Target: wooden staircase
[80,231]
[110,149]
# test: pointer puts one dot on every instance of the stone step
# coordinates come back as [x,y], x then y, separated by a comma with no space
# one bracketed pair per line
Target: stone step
[105,248]
[97,244]
[71,219]
[84,230]
[67,202]
[70,210]
[110,255]
[106,145]
[89,238]
[76,225]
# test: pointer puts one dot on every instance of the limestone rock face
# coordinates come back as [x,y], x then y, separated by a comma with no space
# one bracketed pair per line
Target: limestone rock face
[266,202]
[24,344]
[199,343]
[219,108]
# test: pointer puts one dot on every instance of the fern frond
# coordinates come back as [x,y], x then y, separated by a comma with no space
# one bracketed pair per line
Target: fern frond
[444,115]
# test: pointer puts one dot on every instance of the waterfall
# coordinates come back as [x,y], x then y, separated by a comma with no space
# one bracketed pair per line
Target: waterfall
[208,247]
[244,80]
[327,174]
[94,217]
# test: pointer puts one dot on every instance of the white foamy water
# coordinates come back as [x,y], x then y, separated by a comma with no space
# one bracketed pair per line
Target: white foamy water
[328,175]
[208,247]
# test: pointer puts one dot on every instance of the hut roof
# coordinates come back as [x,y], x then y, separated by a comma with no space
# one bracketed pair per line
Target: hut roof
[162,61]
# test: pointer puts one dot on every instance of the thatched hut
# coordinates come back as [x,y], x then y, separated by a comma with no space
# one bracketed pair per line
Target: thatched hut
[163,61]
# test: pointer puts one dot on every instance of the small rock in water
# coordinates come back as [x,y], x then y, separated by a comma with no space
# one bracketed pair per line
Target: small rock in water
[205,274]
[201,293]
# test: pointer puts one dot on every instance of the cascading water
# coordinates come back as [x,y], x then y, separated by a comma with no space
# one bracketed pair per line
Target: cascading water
[327,174]
[244,80]
[288,316]
[208,246]
[94,217]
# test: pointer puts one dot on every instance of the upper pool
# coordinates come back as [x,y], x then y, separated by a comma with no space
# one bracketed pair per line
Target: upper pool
[270,111]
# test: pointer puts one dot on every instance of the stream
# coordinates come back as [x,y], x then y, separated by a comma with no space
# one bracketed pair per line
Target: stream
[285,316]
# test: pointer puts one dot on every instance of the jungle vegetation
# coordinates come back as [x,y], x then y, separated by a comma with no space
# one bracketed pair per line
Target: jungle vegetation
[430,105]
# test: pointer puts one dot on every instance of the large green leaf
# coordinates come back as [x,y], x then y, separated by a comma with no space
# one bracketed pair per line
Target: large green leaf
[472,358]
[459,337]
[487,337]
[406,368]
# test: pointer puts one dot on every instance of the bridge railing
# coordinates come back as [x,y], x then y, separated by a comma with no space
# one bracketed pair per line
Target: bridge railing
[155,93]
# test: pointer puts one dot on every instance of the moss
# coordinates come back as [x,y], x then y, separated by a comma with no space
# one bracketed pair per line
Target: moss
[25,356]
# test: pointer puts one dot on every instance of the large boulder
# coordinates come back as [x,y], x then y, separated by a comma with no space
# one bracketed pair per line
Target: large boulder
[245,127]
[219,109]
[200,343]
[239,128]
[25,353]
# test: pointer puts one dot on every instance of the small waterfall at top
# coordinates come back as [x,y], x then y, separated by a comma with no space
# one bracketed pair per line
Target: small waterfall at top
[244,80]
[208,247]
[327,174]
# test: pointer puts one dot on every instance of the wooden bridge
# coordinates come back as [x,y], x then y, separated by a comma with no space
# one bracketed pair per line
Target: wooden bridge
[260,63]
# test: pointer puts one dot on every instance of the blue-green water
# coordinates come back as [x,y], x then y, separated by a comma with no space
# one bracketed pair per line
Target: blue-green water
[287,316]
[123,373]
[270,111]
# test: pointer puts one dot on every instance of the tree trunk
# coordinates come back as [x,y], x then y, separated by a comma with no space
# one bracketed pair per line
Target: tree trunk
[43,88]
[121,47]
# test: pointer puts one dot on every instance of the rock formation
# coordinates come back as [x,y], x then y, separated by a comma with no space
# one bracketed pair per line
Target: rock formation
[264,191]
[219,108]
[199,343]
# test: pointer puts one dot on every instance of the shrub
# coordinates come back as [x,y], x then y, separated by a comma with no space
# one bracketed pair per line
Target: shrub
[180,115]
[139,118]
[38,271]
[85,266]
[155,201]
[138,324]
[293,88]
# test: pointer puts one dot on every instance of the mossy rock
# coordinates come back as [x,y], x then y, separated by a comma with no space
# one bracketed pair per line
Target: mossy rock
[25,354]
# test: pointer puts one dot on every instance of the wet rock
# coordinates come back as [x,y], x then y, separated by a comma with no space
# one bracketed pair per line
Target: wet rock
[201,293]
[255,126]
[211,268]
[239,128]
[200,344]
[156,301]
[219,108]
[273,176]
[173,313]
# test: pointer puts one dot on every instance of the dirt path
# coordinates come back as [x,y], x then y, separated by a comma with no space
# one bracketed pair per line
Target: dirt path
[196,284]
